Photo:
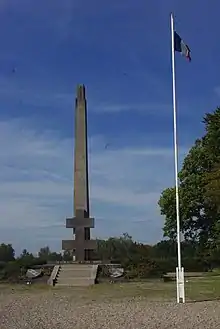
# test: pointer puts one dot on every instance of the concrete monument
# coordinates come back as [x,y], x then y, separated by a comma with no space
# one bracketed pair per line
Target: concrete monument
[81,223]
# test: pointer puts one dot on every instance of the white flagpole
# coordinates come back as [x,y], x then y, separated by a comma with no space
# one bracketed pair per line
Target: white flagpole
[179,269]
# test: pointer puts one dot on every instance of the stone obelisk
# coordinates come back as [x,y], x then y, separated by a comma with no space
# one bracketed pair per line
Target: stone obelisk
[81,223]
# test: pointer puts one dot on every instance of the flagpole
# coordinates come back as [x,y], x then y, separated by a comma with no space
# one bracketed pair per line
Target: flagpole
[179,269]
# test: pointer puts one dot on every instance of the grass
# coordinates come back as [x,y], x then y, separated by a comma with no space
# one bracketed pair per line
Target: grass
[196,289]
[203,289]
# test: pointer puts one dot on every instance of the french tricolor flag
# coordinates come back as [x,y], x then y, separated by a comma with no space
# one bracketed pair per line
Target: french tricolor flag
[181,47]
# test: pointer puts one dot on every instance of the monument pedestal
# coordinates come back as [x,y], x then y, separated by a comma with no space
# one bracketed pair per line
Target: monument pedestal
[76,274]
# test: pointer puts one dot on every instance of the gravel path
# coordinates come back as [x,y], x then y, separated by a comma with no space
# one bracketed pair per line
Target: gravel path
[46,310]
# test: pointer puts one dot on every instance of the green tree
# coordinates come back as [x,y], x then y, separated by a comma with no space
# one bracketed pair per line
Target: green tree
[26,259]
[213,186]
[24,253]
[164,249]
[7,253]
[44,253]
[12,270]
[198,213]
[115,248]
[54,256]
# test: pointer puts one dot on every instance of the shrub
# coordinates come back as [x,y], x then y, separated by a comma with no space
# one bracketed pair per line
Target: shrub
[11,271]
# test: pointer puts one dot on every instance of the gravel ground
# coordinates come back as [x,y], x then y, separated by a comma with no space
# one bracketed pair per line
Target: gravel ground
[60,310]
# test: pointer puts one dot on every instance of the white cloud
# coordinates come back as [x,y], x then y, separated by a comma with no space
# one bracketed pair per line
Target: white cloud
[27,93]
[148,108]
[36,187]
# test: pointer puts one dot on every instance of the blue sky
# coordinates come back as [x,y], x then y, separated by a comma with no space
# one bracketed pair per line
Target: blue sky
[121,51]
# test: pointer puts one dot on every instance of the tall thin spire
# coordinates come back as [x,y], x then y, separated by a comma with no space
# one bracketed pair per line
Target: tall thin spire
[81,222]
[81,181]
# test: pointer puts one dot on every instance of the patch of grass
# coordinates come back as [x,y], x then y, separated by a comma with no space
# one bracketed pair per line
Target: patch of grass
[106,292]
[148,289]
[19,288]
[214,272]
[203,289]
[155,290]
[196,289]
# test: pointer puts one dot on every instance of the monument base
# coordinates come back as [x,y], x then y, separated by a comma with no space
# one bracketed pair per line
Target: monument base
[77,274]
[83,249]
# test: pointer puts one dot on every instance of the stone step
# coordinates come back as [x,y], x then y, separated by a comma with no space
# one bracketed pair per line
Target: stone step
[78,273]
[75,279]
[77,266]
[77,282]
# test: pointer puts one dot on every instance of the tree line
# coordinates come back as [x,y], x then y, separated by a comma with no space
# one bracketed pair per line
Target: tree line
[138,260]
